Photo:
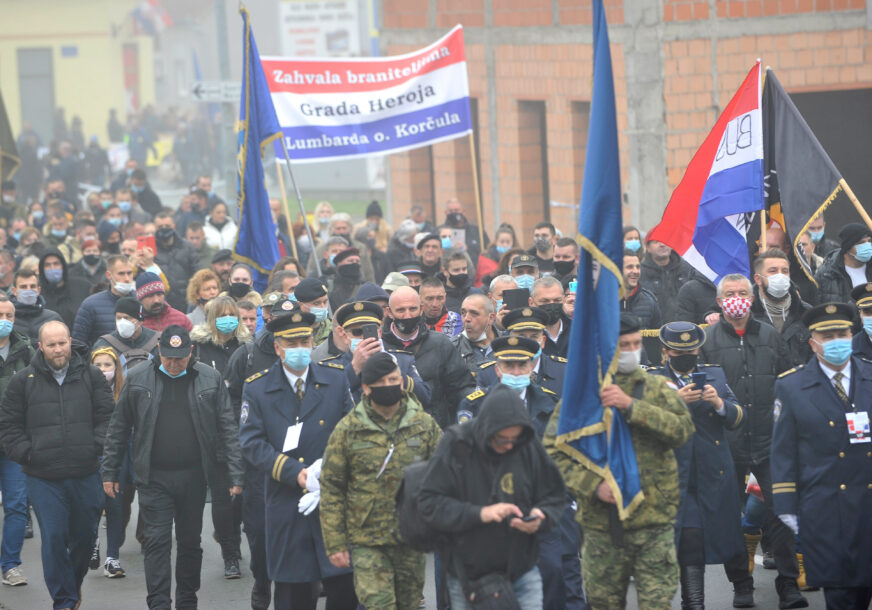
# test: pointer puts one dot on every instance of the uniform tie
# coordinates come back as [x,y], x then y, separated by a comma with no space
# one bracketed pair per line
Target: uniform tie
[840,390]
[298,386]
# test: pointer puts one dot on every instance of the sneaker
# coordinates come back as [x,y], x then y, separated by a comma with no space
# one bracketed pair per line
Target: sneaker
[13,577]
[231,569]
[112,568]
[95,557]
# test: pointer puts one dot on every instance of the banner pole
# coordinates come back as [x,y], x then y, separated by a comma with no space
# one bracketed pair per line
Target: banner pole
[302,207]
[478,210]
[763,230]
[860,209]
[287,210]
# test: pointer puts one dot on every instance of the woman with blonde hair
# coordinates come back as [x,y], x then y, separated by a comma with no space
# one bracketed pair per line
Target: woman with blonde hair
[202,288]
[323,212]
[107,360]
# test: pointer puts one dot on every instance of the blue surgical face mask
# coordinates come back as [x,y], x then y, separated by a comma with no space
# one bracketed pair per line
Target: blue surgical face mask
[129,172]
[17,235]
[58,233]
[816,236]
[354,344]
[499,304]
[446,242]
[53,276]
[525,281]
[5,328]
[226,324]
[164,371]
[633,244]
[115,222]
[124,206]
[837,351]
[864,252]
[502,249]
[320,313]
[332,256]
[298,358]
[106,203]
[867,324]
[516,382]
[136,189]
[38,215]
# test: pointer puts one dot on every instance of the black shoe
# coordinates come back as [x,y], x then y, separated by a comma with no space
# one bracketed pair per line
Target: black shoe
[261,595]
[95,556]
[28,529]
[693,588]
[789,595]
[743,596]
[231,569]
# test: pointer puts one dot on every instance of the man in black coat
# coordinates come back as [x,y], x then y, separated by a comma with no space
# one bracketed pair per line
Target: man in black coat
[639,301]
[62,292]
[30,310]
[697,301]
[176,257]
[663,273]
[848,267]
[458,281]
[53,420]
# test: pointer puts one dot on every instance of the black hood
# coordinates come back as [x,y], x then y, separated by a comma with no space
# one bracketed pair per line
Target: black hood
[501,408]
[50,252]
[28,311]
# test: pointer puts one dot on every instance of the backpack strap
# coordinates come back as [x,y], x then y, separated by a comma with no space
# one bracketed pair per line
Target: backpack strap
[117,345]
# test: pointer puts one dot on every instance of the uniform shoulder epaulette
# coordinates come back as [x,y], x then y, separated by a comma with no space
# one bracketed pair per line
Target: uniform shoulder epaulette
[547,391]
[475,395]
[864,358]
[659,367]
[257,375]
[395,350]
[791,371]
[484,365]
[559,359]
[333,365]
[712,364]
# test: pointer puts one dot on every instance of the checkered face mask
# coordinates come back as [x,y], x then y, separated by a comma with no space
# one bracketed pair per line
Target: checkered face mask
[736,307]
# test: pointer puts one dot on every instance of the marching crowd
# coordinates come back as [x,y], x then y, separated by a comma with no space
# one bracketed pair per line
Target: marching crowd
[384,373]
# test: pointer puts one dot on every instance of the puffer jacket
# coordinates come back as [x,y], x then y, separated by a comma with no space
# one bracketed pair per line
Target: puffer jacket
[211,412]
[178,262]
[56,431]
[665,282]
[794,332]
[643,304]
[751,363]
[834,283]
[96,317]
[65,299]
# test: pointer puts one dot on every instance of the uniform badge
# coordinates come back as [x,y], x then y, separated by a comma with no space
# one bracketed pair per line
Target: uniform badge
[296,318]
[527,312]
[685,336]
[831,309]
[464,416]
[288,305]
[513,340]
[175,341]
[776,409]
[358,306]
[507,484]
[243,412]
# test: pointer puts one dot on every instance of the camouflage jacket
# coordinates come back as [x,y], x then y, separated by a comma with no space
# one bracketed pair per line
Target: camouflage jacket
[322,331]
[659,423]
[358,500]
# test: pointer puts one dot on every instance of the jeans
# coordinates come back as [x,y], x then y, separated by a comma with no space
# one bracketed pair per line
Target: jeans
[68,511]
[14,490]
[180,496]
[528,590]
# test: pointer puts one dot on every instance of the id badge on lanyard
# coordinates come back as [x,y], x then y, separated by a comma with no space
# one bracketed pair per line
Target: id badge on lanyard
[858,427]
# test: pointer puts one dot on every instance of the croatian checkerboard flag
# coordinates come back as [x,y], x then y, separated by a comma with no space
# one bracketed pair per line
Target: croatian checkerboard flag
[711,209]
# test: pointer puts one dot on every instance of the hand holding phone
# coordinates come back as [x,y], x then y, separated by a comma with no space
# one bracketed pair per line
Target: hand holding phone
[698,380]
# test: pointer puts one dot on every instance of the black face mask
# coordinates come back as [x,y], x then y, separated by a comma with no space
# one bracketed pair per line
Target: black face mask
[91,259]
[553,311]
[564,267]
[454,219]
[459,279]
[408,325]
[351,271]
[684,363]
[239,289]
[386,395]
[165,234]
[113,248]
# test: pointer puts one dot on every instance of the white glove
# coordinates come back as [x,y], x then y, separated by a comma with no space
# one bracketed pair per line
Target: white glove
[790,521]
[309,502]
[313,474]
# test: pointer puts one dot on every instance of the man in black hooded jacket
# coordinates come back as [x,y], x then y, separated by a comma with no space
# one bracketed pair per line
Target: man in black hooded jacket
[491,482]
[62,292]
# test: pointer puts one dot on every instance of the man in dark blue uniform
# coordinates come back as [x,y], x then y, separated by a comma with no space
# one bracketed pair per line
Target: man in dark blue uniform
[548,370]
[352,318]
[287,415]
[862,343]
[559,562]
[822,459]
[708,525]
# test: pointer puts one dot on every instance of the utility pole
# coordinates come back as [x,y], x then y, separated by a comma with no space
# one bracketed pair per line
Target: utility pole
[227,137]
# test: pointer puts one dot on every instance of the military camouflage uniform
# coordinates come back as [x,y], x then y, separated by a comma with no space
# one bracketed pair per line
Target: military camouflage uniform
[358,505]
[321,332]
[659,423]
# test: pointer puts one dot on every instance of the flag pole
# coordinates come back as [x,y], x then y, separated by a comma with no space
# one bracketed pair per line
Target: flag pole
[302,207]
[860,209]
[474,158]
[287,210]
[765,209]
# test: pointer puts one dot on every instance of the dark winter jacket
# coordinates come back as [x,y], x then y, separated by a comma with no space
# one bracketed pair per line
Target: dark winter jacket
[665,282]
[211,412]
[56,431]
[399,253]
[696,299]
[466,474]
[794,332]
[441,368]
[148,200]
[66,298]
[454,295]
[862,345]
[251,358]
[834,283]
[643,304]
[95,317]
[751,363]
[21,352]
[29,318]
[208,352]
[178,262]
[79,271]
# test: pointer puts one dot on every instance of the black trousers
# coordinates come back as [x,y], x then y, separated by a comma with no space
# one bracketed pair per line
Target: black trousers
[304,595]
[226,517]
[254,518]
[848,598]
[180,496]
[780,537]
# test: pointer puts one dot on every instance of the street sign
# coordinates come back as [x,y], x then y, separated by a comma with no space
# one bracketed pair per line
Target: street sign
[216,91]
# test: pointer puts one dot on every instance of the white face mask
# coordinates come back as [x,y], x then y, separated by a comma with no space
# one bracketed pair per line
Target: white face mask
[110,375]
[629,361]
[779,284]
[125,287]
[481,338]
[125,328]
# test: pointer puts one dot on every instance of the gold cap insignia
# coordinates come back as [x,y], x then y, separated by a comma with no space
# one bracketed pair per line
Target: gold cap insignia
[296,317]
[527,312]
[513,340]
[685,336]
[869,287]
[358,307]
[831,309]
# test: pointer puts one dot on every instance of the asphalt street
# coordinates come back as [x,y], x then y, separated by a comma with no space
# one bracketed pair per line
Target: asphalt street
[101,593]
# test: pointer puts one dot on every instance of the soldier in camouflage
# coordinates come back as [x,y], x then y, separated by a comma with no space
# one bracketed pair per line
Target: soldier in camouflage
[659,423]
[361,473]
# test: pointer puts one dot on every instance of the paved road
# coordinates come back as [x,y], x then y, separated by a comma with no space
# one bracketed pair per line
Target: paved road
[100,593]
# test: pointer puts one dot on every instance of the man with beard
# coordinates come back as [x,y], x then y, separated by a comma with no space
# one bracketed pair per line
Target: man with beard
[158,314]
[348,277]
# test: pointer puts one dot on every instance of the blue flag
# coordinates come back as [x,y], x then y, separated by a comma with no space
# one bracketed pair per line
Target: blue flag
[256,241]
[597,436]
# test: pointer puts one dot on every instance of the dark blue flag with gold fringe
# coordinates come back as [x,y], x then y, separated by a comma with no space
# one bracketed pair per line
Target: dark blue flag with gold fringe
[256,241]
[597,436]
